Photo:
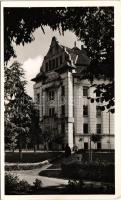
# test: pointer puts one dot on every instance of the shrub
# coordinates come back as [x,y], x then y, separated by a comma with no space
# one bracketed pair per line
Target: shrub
[75,186]
[24,186]
[11,183]
[37,184]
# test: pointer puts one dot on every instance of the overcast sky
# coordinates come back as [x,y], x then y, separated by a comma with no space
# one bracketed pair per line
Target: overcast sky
[31,55]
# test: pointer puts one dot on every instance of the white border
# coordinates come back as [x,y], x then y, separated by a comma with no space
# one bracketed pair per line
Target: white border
[117,5]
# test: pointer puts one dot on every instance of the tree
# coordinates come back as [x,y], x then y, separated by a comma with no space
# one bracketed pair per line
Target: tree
[35,130]
[17,106]
[94,26]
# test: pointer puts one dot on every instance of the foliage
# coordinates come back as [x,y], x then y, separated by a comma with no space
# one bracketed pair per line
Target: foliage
[24,186]
[96,137]
[35,130]
[86,171]
[17,106]
[11,182]
[75,185]
[94,26]
[37,184]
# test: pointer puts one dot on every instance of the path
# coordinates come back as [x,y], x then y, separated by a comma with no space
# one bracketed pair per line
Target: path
[49,179]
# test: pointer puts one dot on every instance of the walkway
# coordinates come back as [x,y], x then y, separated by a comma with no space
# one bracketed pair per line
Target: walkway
[46,176]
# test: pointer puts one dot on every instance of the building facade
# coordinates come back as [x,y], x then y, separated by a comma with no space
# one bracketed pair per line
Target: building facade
[66,112]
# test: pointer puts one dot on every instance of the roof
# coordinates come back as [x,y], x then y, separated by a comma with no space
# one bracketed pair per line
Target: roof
[76,58]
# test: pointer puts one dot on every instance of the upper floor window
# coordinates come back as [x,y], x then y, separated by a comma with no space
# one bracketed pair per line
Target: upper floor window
[85,110]
[56,62]
[51,95]
[38,98]
[62,91]
[85,91]
[53,63]
[85,128]
[60,60]
[50,66]
[98,128]
[47,66]
[51,112]
[98,111]
[63,110]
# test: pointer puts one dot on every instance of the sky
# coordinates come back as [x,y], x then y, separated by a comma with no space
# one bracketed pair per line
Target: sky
[31,55]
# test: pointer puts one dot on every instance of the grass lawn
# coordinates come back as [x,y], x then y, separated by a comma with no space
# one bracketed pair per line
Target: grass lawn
[30,157]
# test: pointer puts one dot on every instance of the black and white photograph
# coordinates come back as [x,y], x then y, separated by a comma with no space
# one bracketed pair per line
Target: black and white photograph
[59,100]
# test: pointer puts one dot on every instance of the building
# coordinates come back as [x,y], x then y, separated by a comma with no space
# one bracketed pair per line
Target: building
[62,99]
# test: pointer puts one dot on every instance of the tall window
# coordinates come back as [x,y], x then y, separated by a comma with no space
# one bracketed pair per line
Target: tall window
[85,128]
[51,95]
[85,110]
[38,98]
[62,127]
[47,66]
[51,112]
[60,60]
[57,62]
[53,63]
[98,111]
[62,91]
[99,146]
[85,145]
[50,66]
[85,91]
[63,110]
[98,128]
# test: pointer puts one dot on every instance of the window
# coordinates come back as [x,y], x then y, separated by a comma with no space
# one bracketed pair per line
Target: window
[51,95]
[85,91]
[51,112]
[62,91]
[85,128]
[99,146]
[63,110]
[53,63]
[56,62]
[38,98]
[97,93]
[60,60]
[62,127]
[50,67]
[98,128]
[47,67]
[85,110]
[85,145]
[98,111]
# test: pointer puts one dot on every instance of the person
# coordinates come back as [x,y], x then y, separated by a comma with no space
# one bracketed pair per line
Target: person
[67,151]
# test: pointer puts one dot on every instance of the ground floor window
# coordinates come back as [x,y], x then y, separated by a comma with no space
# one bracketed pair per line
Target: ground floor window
[99,146]
[85,145]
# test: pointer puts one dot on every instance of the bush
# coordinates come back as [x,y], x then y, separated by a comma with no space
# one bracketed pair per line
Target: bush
[24,186]
[11,183]
[37,184]
[86,171]
[75,186]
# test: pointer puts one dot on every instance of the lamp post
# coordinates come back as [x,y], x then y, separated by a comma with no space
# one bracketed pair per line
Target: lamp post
[109,132]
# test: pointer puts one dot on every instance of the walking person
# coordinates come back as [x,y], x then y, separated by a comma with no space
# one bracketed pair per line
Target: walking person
[67,151]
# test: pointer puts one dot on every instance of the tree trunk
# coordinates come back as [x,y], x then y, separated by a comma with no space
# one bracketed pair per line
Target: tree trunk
[20,149]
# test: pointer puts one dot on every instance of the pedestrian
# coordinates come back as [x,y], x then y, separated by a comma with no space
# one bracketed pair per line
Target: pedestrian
[67,151]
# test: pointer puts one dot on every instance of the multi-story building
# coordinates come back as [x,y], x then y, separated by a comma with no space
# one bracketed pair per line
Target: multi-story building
[62,100]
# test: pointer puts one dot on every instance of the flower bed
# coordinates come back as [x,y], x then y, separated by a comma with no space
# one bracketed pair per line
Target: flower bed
[88,171]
